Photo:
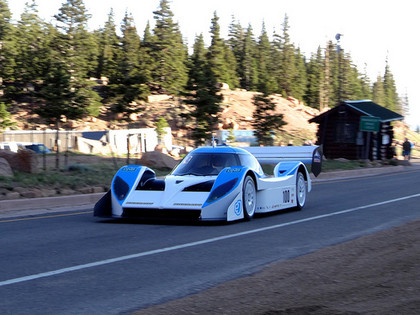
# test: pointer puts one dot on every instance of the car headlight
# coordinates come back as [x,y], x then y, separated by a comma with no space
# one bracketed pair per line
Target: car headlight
[120,188]
[222,190]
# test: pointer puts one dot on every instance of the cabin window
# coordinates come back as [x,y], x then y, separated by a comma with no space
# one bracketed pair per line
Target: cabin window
[345,132]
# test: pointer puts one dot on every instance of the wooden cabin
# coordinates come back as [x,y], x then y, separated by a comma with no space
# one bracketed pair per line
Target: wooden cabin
[356,130]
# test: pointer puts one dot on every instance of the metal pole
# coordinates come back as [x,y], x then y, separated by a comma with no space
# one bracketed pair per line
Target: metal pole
[367,145]
[66,160]
[128,149]
[44,154]
[57,155]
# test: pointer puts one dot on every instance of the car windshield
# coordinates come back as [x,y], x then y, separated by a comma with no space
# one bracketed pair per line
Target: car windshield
[205,164]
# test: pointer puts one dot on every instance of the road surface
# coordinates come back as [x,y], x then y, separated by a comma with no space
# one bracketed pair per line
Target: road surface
[73,263]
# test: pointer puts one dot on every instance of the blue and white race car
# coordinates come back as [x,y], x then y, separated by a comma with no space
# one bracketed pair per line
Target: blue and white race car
[211,183]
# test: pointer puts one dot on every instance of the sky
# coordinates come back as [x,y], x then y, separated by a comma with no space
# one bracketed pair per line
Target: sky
[373,31]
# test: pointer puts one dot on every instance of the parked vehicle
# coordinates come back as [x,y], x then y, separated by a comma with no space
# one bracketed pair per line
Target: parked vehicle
[16,146]
[11,146]
[38,148]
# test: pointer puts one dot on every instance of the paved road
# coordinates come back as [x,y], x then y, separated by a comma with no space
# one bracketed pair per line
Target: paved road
[72,263]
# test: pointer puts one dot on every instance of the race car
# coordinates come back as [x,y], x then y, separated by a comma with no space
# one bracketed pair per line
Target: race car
[210,183]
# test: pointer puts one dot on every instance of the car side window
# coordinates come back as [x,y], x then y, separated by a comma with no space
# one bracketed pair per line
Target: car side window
[251,162]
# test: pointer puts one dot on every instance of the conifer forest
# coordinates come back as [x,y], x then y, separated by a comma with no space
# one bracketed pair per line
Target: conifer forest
[50,63]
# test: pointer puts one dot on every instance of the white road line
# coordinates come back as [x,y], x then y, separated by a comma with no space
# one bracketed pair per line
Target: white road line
[206,241]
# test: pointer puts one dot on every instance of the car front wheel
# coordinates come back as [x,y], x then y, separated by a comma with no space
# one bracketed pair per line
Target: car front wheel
[249,198]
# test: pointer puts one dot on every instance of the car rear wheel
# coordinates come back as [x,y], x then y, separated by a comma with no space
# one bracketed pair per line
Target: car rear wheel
[301,191]
[249,198]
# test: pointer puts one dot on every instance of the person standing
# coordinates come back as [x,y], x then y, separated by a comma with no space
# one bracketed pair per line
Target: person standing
[407,149]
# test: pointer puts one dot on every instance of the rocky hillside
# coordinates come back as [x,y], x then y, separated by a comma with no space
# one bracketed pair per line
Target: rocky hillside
[236,114]
[238,110]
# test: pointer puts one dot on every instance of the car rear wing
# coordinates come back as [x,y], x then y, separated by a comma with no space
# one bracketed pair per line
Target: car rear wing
[273,155]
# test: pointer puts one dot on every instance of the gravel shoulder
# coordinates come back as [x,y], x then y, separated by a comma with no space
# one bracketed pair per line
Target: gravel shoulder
[374,274]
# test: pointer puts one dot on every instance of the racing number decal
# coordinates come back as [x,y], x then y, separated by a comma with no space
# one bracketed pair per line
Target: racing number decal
[286,196]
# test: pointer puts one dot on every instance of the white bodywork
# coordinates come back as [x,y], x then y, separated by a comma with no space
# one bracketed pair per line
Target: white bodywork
[273,193]
[219,183]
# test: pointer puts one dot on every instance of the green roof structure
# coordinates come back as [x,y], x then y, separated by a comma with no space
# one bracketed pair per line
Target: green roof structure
[365,108]
[372,109]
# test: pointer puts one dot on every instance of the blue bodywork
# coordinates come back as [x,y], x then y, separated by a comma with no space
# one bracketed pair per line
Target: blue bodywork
[206,185]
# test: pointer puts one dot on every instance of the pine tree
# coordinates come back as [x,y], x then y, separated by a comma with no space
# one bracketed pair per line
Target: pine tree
[314,75]
[404,105]
[287,65]
[355,86]
[391,95]
[366,89]
[33,52]
[67,98]
[130,45]
[159,128]
[266,122]
[66,90]
[352,85]
[205,96]
[5,17]
[169,51]
[248,66]
[230,76]
[148,38]
[325,82]
[7,46]
[5,120]
[216,51]
[378,91]
[346,78]
[231,136]
[264,61]
[300,79]
[75,45]
[332,74]
[236,40]
[128,84]
[234,48]
[147,62]
[197,63]
[207,108]
[108,47]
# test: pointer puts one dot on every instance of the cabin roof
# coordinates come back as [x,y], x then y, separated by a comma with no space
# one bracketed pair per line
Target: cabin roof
[365,108]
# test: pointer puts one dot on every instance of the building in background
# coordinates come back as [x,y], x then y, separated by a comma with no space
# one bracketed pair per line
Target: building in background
[94,142]
[357,130]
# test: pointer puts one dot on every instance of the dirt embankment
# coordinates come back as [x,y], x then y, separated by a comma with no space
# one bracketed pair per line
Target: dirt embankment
[237,111]
[375,274]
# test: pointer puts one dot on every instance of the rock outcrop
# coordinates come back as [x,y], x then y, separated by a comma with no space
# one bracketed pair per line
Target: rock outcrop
[5,169]
[23,160]
[157,160]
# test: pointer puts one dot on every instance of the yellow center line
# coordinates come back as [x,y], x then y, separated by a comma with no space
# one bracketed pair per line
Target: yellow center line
[46,217]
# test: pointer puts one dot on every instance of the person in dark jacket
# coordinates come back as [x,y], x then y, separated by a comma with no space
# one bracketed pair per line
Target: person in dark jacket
[407,149]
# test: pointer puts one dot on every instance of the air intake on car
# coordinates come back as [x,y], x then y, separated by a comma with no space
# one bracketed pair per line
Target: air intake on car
[152,184]
[204,186]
